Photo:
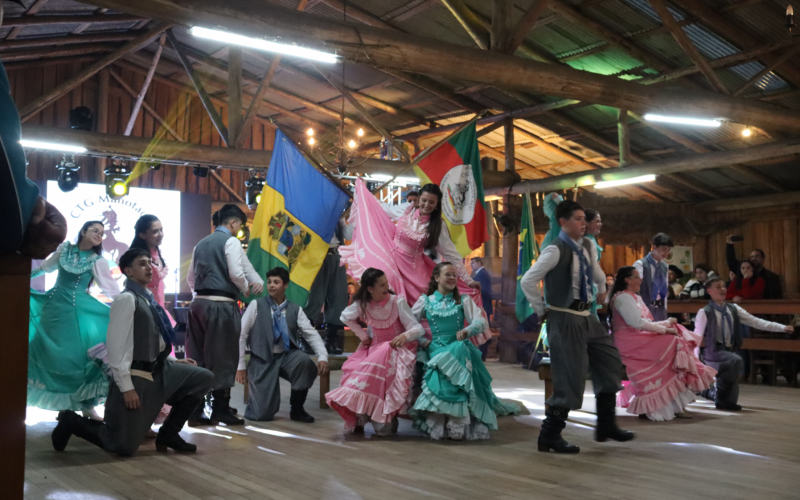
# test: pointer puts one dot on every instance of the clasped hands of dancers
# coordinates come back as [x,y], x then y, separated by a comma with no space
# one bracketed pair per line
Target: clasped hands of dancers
[453,399]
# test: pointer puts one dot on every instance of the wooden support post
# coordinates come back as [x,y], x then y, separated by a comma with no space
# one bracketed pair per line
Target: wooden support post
[252,110]
[30,109]
[467,19]
[32,10]
[101,118]
[624,132]
[201,91]
[234,94]
[146,106]
[508,321]
[502,24]
[15,272]
[145,86]
[524,26]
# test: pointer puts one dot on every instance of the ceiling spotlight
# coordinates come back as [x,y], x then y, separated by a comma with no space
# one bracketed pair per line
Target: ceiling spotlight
[253,194]
[747,132]
[67,173]
[199,171]
[116,181]
[81,118]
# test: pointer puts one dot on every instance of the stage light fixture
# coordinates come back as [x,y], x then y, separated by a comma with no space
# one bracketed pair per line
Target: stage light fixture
[117,175]
[260,44]
[253,194]
[81,118]
[68,173]
[199,171]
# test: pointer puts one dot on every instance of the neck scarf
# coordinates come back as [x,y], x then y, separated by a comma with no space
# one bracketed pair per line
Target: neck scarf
[726,317]
[586,266]
[658,288]
[162,320]
[280,328]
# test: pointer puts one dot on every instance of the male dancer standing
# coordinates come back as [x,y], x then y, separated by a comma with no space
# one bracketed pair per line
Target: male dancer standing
[654,270]
[144,377]
[577,339]
[219,271]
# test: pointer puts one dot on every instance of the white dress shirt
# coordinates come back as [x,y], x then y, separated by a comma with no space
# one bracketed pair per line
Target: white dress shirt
[101,272]
[547,261]
[240,270]
[723,335]
[303,324]
[413,329]
[628,306]
[119,339]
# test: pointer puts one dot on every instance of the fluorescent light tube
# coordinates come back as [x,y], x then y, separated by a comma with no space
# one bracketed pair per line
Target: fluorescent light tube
[64,148]
[622,182]
[700,122]
[256,43]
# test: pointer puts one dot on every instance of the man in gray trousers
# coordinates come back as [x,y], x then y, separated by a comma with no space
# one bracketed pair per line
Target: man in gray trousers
[578,341]
[219,272]
[271,327]
[144,377]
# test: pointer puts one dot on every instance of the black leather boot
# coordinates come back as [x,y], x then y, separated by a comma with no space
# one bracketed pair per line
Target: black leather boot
[721,402]
[607,420]
[220,409]
[332,339]
[198,416]
[69,424]
[550,435]
[168,435]
[298,413]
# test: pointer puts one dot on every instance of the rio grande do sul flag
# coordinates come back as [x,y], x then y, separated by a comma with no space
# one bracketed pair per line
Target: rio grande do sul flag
[456,168]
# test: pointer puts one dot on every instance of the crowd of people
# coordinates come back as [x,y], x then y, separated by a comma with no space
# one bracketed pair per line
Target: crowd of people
[420,318]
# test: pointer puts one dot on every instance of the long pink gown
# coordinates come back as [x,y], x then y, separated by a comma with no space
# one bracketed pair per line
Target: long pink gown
[156,285]
[376,380]
[663,371]
[399,250]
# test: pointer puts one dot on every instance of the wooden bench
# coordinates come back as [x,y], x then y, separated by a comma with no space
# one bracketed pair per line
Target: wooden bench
[335,362]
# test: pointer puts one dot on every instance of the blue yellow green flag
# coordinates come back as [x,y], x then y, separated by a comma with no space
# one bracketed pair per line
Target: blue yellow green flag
[295,220]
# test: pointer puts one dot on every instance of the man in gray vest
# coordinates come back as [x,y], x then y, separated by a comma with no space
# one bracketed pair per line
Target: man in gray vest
[720,326]
[271,327]
[219,272]
[654,270]
[144,377]
[578,341]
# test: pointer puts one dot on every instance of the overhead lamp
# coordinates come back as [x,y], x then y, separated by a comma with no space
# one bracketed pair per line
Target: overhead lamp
[360,132]
[352,144]
[259,44]
[683,120]
[310,132]
[622,182]
[747,132]
[52,146]
[253,194]
[116,181]
[67,173]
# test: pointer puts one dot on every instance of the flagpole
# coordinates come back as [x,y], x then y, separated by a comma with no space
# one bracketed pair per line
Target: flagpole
[430,150]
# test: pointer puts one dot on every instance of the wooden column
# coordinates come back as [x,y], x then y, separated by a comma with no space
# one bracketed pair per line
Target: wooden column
[145,86]
[624,133]
[234,94]
[15,272]
[101,120]
[508,321]
[492,245]
[502,24]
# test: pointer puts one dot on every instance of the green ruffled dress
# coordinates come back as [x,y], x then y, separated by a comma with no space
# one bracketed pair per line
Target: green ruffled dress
[457,401]
[65,322]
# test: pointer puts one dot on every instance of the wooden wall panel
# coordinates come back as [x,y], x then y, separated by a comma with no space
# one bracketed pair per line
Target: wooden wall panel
[181,109]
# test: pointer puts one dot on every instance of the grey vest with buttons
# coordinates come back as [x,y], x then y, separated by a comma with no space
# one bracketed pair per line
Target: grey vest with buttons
[146,334]
[710,335]
[645,292]
[262,335]
[558,289]
[211,265]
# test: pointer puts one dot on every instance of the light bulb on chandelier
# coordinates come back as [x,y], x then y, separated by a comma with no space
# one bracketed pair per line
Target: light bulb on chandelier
[310,132]
[360,132]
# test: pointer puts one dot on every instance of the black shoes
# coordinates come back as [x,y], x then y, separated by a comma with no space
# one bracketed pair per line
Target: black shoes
[607,420]
[168,435]
[550,435]
[69,424]
[728,406]
[298,413]
[220,409]
[332,348]
[332,339]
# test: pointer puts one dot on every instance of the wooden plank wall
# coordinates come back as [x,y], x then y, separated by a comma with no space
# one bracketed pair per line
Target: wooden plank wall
[181,109]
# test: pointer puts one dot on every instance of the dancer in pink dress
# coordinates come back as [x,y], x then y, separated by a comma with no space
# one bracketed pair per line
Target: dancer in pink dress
[399,250]
[376,379]
[659,357]
[149,235]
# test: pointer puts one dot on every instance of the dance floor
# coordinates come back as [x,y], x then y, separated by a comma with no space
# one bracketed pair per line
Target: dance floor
[754,454]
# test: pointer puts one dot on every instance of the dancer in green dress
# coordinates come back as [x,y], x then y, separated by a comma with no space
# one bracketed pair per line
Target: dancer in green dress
[65,322]
[457,401]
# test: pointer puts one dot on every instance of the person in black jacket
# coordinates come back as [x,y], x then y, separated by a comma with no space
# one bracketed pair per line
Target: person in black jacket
[773,285]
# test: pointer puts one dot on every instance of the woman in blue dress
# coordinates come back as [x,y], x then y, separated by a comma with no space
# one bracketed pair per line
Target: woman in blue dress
[65,322]
[457,401]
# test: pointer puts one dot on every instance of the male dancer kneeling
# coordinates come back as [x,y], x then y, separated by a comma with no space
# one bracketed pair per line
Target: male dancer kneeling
[577,339]
[144,377]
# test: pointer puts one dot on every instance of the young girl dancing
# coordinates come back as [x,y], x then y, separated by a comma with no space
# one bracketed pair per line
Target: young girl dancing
[457,401]
[376,379]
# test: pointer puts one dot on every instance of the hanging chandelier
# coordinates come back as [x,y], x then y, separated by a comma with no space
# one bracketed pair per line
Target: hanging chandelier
[341,154]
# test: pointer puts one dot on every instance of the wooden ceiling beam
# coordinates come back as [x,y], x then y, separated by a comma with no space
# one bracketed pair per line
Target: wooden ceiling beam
[35,7]
[57,41]
[13,22]
[42,53]
[525,25]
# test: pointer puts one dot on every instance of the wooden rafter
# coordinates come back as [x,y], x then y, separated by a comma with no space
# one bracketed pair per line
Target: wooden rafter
[68,19]
[234,94]
[35,7]
[524,25]
[145,86]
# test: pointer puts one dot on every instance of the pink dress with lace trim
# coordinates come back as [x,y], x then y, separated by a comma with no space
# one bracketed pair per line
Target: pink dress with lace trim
[376,380]
[663,371]
[398,250]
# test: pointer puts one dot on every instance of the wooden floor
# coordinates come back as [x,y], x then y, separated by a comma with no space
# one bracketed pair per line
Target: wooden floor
[751,455]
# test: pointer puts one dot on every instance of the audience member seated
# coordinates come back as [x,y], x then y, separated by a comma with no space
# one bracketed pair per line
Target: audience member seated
[695,288]
[773,286]
[747,285]
[674,274]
